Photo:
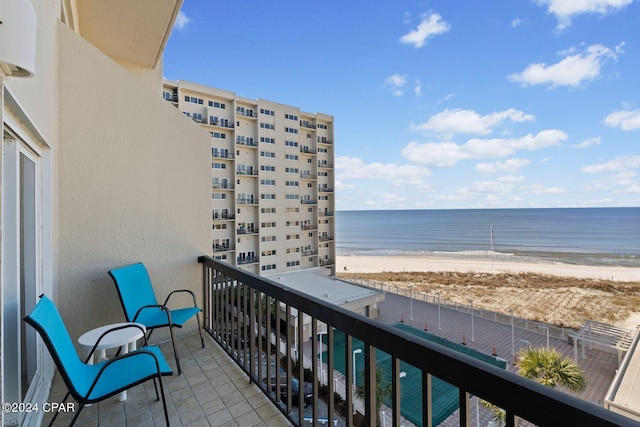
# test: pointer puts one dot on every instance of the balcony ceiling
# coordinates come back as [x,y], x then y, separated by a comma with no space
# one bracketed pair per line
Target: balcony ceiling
[133,31]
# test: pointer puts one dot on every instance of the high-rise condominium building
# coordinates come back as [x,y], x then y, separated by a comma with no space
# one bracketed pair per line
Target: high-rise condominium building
[272,179]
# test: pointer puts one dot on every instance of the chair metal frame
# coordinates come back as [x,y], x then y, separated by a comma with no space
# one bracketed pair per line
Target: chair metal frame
[119,276]
[47,325]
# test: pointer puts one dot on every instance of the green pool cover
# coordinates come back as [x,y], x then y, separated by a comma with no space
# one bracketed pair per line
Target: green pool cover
[445,396]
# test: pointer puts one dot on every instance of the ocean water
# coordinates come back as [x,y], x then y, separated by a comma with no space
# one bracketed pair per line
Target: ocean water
[590,236]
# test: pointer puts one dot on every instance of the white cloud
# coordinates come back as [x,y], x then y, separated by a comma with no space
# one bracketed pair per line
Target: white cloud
[618,164]
[517,22]
[469,122]
[574,70]
[607,182]
[491,187]
[541,189]
[431,25]
[565,10]
[356,168]
[625,119]
[508,166]
[589,142]
[417,89]
[181,21]
[396,83]
[447,154]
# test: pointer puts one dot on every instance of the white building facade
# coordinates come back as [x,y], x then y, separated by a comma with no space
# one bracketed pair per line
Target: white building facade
[272,178]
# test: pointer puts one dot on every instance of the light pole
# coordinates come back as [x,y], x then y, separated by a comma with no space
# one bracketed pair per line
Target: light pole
[546,329]
[320,361]
[411,301]
[439,324]
[513,336]
[473,337]
[356,351]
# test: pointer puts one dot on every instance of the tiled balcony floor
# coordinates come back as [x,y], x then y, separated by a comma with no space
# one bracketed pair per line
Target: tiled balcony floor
[212,391]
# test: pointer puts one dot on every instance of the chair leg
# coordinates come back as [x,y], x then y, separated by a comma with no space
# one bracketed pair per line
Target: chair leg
[175,351]
[200,329]
[75,416]
[156,387]
[66,396]
[164,402]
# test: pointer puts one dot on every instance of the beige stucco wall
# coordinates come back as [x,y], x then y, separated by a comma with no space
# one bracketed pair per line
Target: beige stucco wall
[134,185]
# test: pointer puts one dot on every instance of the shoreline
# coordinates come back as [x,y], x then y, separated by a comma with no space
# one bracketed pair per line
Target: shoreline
[461,264]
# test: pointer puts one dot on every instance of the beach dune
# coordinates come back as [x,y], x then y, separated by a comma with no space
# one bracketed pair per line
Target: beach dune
[398,263]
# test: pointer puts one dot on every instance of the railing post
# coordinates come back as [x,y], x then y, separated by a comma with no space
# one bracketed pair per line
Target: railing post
[427,399]
[330,372]
[289,357]
[349,379]
[252,332]
[370,384]
[396,392]
[316,368]
[464,408]
[300,368]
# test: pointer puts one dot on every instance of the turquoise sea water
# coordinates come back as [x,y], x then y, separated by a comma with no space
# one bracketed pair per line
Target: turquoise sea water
[590,236]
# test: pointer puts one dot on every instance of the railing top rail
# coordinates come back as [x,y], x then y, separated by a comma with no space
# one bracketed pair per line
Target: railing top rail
[524,398]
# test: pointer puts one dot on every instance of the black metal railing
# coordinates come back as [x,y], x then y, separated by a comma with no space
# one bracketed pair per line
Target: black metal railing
[257,320]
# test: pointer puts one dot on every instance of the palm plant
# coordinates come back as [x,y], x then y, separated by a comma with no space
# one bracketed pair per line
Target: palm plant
[547,366]
[383,390]
[551,368]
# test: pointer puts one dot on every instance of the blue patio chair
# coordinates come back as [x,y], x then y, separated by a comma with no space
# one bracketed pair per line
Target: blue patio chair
[140,304]
[94,383]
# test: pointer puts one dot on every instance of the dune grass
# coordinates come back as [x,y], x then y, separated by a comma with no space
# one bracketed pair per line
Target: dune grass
[563,301]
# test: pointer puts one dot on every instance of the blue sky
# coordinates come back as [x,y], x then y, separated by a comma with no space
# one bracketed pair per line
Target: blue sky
[444,103]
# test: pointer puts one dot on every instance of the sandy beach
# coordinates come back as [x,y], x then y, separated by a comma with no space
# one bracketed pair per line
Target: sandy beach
[398,263]
[567,297]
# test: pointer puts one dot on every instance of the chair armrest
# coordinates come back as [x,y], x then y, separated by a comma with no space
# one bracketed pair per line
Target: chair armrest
[193,297]
[161,307]
[138,353]
[115,328]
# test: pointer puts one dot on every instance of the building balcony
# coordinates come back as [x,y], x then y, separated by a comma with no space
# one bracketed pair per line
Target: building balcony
[223,248]
[307,125]
[325,165]
[308,226]
[247,260]
[218,155]
[222,383]
[309,252]
[221,123]
[307,175]
[325,189]
[247,201]
[222,186]
[307,150]
[325,141]
[326,262]
[309,201]
[325,213]
[247,172]
[247,142]
[224,217]
[247,230]
[247,113]
[325,238]
[241,303]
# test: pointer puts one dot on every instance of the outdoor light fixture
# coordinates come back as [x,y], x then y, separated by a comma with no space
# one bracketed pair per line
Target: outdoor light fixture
[17,38]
